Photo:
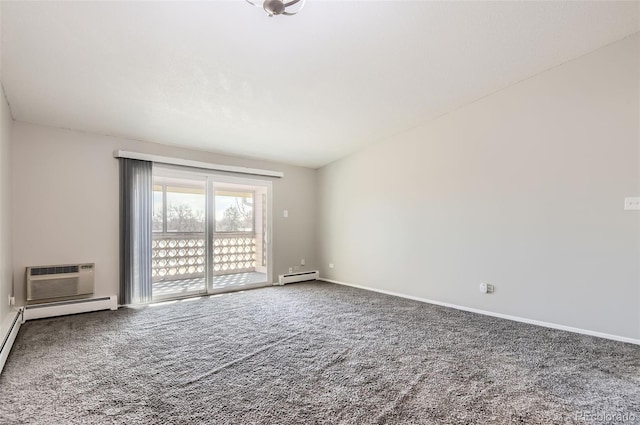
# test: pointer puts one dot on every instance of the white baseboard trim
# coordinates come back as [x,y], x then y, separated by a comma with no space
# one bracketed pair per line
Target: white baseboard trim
[6,343]
[493,314]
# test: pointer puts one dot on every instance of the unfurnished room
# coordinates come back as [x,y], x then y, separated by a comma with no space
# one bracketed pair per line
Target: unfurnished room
[319,212]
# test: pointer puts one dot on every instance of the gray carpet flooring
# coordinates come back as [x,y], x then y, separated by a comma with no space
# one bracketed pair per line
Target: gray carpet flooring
[312,353]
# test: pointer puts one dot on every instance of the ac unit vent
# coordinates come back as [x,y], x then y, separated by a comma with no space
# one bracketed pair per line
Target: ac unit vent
[63,281]
[39,271]
[54,288]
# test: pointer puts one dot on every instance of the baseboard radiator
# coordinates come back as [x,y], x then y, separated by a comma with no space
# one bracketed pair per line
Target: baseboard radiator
[62,308]
[9,338]
[298,277]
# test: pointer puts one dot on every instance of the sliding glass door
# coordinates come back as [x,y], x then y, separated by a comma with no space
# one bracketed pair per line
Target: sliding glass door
[210,233]
[239,236]
[179,228]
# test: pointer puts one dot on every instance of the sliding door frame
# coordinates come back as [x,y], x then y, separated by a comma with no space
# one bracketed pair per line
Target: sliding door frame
[211,179]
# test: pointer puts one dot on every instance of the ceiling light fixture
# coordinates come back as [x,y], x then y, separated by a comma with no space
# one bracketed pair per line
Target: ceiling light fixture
[278,7]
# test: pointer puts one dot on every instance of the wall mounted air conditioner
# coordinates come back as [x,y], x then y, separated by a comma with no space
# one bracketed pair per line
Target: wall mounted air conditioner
[63,281]
[298,277]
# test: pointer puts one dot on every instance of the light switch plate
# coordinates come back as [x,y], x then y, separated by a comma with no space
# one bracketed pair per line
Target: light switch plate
[632,203]
[286,213]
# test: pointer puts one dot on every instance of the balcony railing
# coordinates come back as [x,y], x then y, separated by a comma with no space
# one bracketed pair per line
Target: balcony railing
[182,255]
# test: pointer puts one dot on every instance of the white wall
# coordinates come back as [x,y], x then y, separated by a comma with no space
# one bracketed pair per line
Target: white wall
[6,237]
[523,189]
[66,202]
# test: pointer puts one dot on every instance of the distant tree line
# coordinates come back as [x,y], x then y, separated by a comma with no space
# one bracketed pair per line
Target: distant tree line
[182,218]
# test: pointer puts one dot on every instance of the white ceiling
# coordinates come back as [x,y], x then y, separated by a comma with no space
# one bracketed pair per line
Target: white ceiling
[305,90]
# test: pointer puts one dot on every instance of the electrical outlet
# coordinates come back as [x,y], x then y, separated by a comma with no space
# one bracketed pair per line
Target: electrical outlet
[290,269]
[330,265]
[285,214]
[632,203]
[486,288]
[12,301]
[302,263]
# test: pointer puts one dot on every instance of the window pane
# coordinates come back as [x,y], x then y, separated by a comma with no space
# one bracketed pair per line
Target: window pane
[185,209]
[157,208]
[234,211]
